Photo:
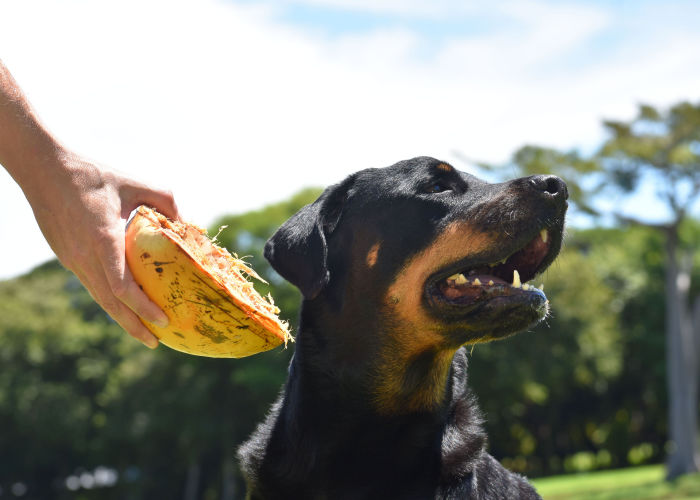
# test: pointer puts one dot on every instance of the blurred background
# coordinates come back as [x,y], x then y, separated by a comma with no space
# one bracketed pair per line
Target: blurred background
[247,109]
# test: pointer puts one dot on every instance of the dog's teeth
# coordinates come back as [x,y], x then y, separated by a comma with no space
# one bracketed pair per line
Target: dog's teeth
[459,279]
[503,261]
[476,281]
[526,287]
[516,279]
[490,282]
[541,287]
[544,235]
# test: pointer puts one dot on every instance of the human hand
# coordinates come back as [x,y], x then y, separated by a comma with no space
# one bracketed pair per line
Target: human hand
[82,210]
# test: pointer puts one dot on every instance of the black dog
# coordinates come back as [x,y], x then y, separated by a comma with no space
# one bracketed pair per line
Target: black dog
[401,267]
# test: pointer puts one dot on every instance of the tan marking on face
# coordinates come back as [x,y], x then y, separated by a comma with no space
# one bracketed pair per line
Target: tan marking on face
[372,255]
[445,167]
[413,332]
[459,240]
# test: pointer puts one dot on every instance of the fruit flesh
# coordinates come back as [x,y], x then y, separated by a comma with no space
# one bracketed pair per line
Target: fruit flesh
[212,307]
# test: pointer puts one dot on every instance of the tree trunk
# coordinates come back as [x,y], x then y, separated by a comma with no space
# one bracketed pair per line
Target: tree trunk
[696,326]
[228,479]
[192,482]
[681,365]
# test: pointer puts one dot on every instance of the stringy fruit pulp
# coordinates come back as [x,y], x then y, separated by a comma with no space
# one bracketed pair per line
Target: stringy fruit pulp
[226,268]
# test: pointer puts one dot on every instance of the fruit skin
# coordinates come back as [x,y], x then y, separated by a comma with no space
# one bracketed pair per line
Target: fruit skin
[204,317]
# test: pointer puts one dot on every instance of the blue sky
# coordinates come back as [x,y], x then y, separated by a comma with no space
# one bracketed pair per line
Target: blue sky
[438,23]
[199,95]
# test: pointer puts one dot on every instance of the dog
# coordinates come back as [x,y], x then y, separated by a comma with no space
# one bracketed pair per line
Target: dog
[400,268]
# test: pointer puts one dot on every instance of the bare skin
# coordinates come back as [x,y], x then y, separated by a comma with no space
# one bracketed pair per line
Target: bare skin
[81,208]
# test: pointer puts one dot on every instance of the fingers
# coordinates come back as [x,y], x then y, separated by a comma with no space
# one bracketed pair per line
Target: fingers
[121,282]
[124,316]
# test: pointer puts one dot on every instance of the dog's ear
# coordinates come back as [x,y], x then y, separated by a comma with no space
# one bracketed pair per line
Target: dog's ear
[298,250]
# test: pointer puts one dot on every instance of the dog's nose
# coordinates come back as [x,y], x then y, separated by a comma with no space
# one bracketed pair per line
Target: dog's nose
[550,185]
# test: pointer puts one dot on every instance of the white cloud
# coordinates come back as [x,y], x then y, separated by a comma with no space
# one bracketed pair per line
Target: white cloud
[435,9]
[542,33]
[230,109]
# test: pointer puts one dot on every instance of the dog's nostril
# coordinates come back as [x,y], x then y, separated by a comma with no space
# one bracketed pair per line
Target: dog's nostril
[550,184]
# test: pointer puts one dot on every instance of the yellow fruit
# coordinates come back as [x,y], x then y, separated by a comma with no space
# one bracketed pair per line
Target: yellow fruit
[213,309]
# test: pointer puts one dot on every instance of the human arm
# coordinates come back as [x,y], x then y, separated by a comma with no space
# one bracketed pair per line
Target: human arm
[81,209]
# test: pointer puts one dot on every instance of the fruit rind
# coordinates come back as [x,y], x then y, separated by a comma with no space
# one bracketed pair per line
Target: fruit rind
[213,309]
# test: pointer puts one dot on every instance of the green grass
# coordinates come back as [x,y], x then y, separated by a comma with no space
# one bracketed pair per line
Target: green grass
[637,483]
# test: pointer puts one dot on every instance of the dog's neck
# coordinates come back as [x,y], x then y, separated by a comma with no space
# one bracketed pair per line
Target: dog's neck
[327,420]
[389,373]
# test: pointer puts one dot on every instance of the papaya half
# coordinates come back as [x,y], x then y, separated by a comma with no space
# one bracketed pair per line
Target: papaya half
[212,306]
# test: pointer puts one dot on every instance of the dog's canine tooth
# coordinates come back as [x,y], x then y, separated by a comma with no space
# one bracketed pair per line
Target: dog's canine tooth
[544,235]
[490,282]
[526,287]
[516,279]
[476,281]
[541,287]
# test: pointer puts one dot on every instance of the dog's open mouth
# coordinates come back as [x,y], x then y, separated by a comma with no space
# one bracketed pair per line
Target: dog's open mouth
[513,271]
[500,282]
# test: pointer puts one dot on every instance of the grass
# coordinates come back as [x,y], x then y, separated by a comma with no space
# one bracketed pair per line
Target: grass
[637,483]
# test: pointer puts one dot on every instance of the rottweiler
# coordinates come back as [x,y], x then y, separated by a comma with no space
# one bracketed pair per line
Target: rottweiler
[400,268]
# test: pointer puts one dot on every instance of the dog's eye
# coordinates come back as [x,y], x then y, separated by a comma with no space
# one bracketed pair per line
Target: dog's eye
[436,187]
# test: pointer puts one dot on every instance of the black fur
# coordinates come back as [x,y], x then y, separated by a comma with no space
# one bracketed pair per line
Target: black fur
[324,437]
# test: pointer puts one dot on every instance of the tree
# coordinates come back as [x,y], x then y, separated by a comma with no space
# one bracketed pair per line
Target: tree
[660,147]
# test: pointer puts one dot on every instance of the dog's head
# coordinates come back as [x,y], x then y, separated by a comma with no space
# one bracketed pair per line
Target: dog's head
[426,248]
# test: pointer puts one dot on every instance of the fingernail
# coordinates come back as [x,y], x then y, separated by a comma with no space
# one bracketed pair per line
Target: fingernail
[161,321]
[151,342]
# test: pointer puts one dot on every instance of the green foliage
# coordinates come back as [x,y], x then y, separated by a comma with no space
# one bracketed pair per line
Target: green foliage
[665,144]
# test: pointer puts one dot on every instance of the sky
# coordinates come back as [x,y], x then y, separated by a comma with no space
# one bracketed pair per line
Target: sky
[234,104]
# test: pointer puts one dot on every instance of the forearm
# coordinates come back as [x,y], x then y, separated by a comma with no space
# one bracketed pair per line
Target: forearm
[81,208]
[26,146]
